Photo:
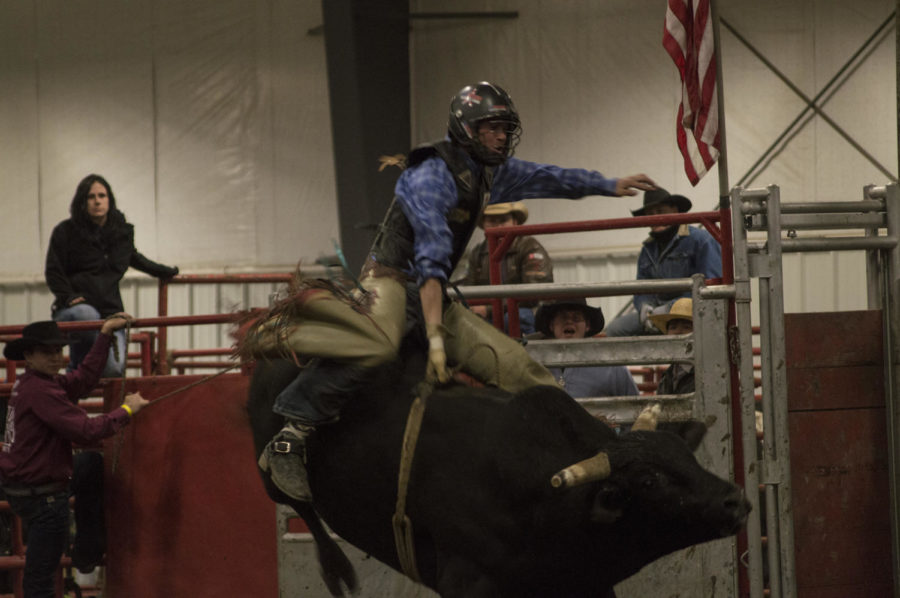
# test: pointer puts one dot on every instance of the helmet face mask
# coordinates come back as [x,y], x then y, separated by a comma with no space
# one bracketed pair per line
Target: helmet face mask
[475,105]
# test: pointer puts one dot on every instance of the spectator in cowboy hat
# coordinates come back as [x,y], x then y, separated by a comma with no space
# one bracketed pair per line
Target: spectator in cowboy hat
[671,251]
[526,261]
[575,319]
[38,472]
[679,377]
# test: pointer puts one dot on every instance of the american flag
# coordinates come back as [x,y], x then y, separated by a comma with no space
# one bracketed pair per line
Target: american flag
[688,38]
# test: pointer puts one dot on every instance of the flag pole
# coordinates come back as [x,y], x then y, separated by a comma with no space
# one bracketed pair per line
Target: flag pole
[720,104]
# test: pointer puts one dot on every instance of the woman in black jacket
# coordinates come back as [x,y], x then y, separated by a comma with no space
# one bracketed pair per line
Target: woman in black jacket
[88,256]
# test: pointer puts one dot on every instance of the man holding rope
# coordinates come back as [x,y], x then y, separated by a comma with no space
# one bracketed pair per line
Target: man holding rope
[38,472]
[439,198]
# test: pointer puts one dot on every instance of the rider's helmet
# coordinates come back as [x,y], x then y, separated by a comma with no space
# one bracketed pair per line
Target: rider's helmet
[475,104]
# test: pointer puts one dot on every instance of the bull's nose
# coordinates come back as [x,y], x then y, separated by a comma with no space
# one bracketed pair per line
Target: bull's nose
[737,502]
[736,507]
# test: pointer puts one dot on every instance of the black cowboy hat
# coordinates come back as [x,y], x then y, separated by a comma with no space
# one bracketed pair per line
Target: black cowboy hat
[546,312]
[660,195]
[35,334]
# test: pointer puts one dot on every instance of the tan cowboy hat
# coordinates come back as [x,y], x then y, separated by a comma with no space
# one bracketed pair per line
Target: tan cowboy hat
[516,208]
[683,309]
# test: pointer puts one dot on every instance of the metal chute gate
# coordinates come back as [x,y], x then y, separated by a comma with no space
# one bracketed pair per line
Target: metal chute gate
[808,550]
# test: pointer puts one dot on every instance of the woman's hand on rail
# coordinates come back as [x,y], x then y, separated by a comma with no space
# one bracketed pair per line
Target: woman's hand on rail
[116,321]
[630,185]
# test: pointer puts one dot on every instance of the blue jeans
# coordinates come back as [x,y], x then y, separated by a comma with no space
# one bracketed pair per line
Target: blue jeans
[46,518]
[319,392]
[317,395]
[84,340]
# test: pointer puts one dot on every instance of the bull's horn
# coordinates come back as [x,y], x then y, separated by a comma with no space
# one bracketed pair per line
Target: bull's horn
[648,418]
[590,470]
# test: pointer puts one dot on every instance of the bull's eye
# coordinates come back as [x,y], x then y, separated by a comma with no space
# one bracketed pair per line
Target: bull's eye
[651,480]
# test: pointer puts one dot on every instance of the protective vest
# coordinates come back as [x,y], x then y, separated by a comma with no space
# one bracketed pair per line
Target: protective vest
[393,245]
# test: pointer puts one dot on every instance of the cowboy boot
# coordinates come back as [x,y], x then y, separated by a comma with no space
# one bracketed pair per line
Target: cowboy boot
[285,460]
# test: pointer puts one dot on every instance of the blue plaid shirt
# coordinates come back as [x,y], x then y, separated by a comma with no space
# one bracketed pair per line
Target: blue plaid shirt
[427,192]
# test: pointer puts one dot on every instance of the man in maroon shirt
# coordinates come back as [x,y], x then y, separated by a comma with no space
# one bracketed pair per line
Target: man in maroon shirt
[37,469]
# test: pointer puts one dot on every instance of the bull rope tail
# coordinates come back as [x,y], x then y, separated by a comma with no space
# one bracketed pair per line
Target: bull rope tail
[403,532]
[120,438]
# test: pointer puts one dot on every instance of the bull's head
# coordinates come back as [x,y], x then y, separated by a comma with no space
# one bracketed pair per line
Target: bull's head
[655,477]
[597,467]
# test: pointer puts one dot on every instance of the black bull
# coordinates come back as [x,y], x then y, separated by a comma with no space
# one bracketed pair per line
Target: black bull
[487,521]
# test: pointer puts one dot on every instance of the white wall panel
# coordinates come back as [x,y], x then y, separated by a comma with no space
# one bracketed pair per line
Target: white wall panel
[19,163]
[211,119]
[95,106]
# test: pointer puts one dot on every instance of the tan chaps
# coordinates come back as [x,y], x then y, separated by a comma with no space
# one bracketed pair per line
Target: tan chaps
[330,328]
[489,355]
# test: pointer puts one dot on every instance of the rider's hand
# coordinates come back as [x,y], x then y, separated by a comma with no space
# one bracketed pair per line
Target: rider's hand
[630,185]
[437,371]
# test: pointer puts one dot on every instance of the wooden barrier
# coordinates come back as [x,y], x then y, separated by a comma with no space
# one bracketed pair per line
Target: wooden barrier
[839,457]
[186,511]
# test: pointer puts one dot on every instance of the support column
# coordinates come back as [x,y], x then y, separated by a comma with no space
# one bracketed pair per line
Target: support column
[367,52]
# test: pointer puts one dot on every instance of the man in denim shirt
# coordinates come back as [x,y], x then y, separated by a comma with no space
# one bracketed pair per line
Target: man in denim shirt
[674,251]
[439,198]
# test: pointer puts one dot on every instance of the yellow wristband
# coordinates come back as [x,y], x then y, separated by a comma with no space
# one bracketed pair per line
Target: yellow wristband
[128,410]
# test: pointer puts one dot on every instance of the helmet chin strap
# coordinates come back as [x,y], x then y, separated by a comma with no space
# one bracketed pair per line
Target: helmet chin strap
[482,153]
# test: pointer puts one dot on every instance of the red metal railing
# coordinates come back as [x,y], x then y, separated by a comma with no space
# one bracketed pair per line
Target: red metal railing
[501,238]
[163,301]
[144,338]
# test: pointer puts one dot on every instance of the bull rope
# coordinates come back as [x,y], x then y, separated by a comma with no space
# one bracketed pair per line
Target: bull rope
[403,532]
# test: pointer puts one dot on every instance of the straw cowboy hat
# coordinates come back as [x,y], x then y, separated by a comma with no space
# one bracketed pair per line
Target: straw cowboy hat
[660,195]
[546,312]
[33,335]
[516,208]
[683,309]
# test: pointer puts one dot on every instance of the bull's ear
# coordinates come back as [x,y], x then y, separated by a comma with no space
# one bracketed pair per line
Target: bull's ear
[693,432]
[607,507]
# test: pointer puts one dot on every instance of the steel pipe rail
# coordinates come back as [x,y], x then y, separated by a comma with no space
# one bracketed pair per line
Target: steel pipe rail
[573,289]
[137,323]
[816,207]
[718,291]
[612,351]
[876,191]
[758,193]
[607,224]
[828,244]
[823,221]
[237,278]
